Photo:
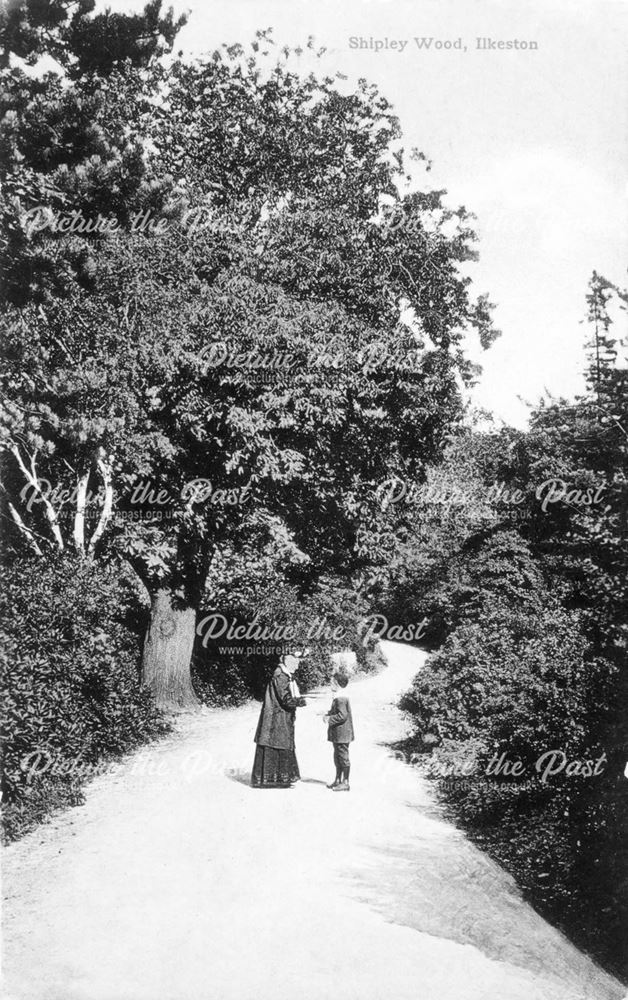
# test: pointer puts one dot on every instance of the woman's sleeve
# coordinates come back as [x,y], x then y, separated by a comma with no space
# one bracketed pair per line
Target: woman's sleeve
[282,690]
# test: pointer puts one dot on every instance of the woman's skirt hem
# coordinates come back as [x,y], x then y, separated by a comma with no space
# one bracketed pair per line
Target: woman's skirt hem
[274,768]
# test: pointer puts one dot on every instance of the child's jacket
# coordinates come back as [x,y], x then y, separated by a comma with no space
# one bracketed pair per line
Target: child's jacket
[340,722]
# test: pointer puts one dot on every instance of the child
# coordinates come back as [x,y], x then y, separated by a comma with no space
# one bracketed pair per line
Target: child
[340,730]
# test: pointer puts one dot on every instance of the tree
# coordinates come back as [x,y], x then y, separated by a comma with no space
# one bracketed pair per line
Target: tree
[527,603]
[81,43]
[289,258]
[601,349]
[67,146]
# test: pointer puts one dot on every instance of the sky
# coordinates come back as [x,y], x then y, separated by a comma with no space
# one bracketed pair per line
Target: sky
[534,141]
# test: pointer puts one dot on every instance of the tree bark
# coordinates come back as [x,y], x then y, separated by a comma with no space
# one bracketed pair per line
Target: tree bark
[104,467]
[25,530]
[168,652]
[33,480]
[79,516]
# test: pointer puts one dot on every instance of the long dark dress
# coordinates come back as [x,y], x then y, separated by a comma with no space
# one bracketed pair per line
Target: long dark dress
[275,764]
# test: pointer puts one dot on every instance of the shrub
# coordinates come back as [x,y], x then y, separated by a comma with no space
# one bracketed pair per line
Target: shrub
[71,692]
[226,671]
[515,685]
[519,681]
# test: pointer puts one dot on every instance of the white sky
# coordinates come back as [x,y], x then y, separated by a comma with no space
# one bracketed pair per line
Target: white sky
[534,142]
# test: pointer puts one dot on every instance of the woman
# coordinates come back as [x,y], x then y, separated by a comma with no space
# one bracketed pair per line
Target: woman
[275,764]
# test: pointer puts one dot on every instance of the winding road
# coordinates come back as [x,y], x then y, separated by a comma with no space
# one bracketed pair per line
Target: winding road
[177,881]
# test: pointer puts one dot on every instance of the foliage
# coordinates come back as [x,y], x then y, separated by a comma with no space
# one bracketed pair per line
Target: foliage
[255,616]
[82,43]
[70,682]
[516,677]
[231,279]
[528,602]
[108,382]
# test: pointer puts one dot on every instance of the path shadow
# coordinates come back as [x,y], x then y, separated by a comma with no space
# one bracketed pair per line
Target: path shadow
[407,748]
[243,777]
[239,774]
[460,895]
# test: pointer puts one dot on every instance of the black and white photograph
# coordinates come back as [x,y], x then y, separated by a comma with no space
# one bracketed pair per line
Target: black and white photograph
[314,499]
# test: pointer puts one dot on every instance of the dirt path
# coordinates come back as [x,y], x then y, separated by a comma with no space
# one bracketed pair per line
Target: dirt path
[177,881]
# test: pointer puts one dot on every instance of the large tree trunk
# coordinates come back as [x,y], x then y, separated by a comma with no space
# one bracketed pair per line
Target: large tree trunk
[168,651]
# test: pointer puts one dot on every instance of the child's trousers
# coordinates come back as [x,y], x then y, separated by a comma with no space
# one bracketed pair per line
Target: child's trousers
[341,756]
